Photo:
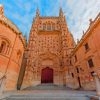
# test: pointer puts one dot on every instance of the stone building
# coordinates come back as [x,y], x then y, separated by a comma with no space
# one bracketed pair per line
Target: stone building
[85,58]
[51,55]
[12,45]
[49,46]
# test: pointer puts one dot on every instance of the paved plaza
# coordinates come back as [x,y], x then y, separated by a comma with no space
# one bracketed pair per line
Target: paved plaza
[44,93]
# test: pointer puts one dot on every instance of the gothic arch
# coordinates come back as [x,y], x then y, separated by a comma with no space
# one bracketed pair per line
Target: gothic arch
[5,45]
[47,56]
[47,75]
[5,38]
[49,25]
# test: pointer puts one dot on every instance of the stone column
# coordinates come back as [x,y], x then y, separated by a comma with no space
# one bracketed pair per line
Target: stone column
[97,82]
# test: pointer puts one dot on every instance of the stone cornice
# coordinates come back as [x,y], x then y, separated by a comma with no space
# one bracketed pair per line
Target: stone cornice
[46,32]
[13,27]
[47,17]
[9,23]
[23,40]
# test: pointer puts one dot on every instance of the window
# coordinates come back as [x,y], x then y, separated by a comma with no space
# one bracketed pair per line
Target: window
[48,26]
[90,62]
[53,26]
[86,46]
[44,26]
[2,47]
[77,70]
[92,73]
[72,75]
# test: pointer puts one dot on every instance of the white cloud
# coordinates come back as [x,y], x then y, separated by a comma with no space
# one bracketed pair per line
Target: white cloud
[82,11]
[78,13]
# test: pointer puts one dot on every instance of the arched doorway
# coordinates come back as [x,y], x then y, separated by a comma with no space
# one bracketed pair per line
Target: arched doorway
[47,75]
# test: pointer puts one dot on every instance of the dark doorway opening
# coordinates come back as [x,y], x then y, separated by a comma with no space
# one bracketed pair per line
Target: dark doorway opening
[47,75]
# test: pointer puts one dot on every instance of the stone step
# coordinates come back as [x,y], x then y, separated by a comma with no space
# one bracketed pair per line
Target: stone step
[49,92]
[48,95]
[30,97]
[48,98]
[47,87]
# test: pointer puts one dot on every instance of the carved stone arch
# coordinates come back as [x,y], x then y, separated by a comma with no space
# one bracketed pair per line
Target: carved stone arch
[49,26]
[44,26]
[49,56]
[47,60]
[5,39]
[53,26]
[5,45]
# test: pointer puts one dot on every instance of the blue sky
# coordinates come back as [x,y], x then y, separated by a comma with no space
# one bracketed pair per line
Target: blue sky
[78,12]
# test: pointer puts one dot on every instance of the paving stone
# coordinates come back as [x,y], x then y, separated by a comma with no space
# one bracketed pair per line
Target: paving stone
[45,93]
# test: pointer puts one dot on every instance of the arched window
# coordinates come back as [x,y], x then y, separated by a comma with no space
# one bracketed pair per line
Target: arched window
[48,26]
[44,26]
[2,47]
[53,26]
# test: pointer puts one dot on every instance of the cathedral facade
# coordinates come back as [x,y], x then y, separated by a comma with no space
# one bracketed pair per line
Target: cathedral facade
[49,46]
[50,56]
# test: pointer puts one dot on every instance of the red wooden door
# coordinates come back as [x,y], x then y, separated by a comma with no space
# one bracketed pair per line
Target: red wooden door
[47,75]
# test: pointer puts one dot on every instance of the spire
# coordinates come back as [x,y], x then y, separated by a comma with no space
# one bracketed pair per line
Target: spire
[90,21]
[61,12]
[78,41]
[37,13]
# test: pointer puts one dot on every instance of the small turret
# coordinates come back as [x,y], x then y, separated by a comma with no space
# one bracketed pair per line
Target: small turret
[61,13]
[37,13]
[78,41]
[91,21]
[25,39]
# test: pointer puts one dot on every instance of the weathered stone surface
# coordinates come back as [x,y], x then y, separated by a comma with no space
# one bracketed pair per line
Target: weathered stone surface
[50,43]
[12,45]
